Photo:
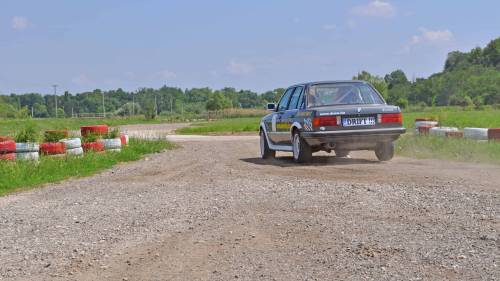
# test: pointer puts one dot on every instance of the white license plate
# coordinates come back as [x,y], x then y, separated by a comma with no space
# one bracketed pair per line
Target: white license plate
[358,121]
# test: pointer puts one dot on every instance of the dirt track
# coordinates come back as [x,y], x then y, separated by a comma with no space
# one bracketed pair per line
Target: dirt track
[212,210]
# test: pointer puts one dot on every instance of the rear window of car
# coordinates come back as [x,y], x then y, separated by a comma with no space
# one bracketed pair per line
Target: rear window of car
[342,94]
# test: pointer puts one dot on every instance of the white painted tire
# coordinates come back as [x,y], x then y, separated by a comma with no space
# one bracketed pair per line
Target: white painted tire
[112,143]
[22,147]
[114,150]
[441,131]
[75,151]
[476,133]
[27,156]
[126,139]
[72,143]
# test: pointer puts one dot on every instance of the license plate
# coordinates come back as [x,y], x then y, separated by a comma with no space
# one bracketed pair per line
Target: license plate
[358,121]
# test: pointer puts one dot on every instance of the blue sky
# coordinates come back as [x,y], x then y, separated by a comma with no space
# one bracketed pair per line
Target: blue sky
[256,45]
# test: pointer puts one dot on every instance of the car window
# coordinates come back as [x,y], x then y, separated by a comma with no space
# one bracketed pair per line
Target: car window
[342,94]
[283,104]
[295,98]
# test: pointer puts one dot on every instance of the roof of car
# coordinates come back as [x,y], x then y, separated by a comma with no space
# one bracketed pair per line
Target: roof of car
[328,82]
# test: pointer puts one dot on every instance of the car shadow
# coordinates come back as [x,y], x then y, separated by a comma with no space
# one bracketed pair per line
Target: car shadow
[287,161]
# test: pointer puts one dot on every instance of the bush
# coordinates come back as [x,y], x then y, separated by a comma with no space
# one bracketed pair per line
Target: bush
[27,134]
[112,134]
[54,136]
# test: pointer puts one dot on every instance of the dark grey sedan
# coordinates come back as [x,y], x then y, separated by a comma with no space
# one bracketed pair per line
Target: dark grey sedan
[339,116]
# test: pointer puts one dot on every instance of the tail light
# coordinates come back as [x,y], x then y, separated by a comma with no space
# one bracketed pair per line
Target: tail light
[391,118]
[326,121]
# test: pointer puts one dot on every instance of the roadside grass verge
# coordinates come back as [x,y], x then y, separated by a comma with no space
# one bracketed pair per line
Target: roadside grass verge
[20,175]
[460,119]
[235,125]
[464,150]
[9,126]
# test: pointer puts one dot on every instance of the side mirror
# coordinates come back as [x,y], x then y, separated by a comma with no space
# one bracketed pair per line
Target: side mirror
[271,106]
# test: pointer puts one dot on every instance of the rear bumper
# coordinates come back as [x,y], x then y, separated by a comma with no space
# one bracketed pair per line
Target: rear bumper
[353,139]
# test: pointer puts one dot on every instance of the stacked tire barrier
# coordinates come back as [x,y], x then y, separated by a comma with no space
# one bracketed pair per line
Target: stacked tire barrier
[27,151]
[494,134]
[124,138]
[476,133]
[112,145]
[441,131]
[426,124]
[7,149]
[53,148]
[93,146]
[97,130]
[73,146]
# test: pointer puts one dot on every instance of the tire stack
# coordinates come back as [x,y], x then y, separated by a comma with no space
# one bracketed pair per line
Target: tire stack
[96,130]
[476,133]
[7,149]
[73,146]
[441,131]
[27,151]
[494,134]
[112,145]
[53,148]
[426,124]
[457,134]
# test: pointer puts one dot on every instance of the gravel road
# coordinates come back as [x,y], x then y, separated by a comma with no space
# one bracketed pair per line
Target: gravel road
[212,210]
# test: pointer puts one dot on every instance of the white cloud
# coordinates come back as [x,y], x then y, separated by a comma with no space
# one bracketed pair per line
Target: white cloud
[81,80]
[432,36]
[167,74]
[375,8]
[239,68]
[329,27]
[19,23]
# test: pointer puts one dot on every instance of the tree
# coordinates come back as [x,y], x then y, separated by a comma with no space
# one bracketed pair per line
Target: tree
[377,82]
[217,101]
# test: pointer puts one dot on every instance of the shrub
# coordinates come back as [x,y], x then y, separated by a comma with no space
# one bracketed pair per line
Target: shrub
[27,134]
[90,138]
[54,136]
[112,134]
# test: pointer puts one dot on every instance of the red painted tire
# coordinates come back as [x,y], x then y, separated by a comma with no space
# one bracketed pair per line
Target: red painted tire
[93,146]
[494,134]
[453,134]
[7,147]
[2,139]
[424,130]
[52,148]
[123,138]
[62,132]
[8,156]
[94,130]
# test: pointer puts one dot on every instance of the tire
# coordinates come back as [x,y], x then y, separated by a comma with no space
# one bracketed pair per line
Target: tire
[22,147]
[124,139]
[302,152]
[112,143]
[476,133]
[342,153]
[7,146]
[52,148]
[4,138]
[98,130]
[385,151]
[114,150]
[494,134]
[93,146]
[27,156]
[75,151]
[72,143]
[265,151]
[441,131]
[8,156]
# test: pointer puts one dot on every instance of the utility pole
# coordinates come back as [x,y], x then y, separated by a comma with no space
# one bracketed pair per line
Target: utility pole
[171,101]
[103,108]
[55,96]
[156,105]
[133,104]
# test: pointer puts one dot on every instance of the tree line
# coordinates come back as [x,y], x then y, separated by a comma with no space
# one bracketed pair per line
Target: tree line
[468,79]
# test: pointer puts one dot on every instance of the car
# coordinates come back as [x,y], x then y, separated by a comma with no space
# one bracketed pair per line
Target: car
[339,116]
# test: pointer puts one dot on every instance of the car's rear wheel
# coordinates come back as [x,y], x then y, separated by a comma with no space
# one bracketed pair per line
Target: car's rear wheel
[302,152]
[385,151]
[265,151]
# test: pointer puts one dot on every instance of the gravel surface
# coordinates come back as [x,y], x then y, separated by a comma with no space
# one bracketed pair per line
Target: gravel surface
[212,210]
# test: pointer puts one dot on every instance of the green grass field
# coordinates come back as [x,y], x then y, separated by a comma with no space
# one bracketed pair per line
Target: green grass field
[20,175]
[10,126]
[223,126]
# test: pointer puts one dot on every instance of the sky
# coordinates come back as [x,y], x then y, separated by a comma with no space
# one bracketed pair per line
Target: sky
[257,45]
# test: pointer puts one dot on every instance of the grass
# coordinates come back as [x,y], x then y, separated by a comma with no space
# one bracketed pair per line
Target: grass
[11,126]
[448,148]
[234,125]
[21,175]
[460,119]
